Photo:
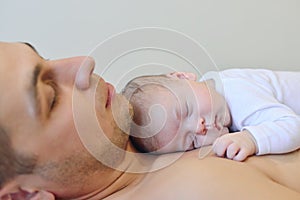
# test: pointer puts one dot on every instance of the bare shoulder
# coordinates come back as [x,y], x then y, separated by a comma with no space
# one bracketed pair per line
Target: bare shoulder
[217,178]
[283,169]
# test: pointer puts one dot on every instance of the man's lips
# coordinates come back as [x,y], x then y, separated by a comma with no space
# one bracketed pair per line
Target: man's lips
[110,94]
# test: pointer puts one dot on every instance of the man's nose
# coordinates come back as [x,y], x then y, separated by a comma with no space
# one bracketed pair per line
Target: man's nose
[76,70]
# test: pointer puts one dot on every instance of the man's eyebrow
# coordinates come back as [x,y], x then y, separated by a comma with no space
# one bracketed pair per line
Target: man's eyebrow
[33,90]
[32,47]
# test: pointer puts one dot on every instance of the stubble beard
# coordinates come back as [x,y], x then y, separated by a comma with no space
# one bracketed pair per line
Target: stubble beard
[75,170]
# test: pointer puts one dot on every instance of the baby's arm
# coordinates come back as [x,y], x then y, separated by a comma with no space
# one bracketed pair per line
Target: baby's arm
[236,146]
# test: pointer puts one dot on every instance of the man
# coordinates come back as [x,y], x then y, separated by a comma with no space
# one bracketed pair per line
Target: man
[45,155]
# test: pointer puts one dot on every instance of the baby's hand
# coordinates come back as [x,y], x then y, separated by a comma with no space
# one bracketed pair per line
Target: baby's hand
[236,146]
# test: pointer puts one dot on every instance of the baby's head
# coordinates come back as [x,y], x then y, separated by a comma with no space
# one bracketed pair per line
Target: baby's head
[173,112]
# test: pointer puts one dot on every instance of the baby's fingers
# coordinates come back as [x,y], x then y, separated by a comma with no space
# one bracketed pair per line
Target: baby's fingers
[242,155]
[232,150]
[220,146]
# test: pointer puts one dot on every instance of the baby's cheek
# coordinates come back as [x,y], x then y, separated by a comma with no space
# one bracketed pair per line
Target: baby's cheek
[224,131]
[206,107]
[166,138]
[171,142]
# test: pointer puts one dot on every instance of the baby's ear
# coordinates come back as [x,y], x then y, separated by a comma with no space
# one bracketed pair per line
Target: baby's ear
[183,75]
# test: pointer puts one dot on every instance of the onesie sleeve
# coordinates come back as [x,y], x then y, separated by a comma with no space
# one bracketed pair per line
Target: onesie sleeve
[277,129]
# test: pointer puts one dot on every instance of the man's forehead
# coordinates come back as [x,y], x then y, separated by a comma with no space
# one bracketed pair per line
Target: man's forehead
[14,55]
[4,47]
[13,79]
[9,57]
[8,53]
[3,44]
[13,47]
[15,65]
[8,46]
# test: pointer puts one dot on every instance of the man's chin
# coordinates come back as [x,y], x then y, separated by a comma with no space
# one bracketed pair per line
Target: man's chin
[122,113]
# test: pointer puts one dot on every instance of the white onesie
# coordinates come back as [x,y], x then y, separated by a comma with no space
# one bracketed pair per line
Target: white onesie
[264,102]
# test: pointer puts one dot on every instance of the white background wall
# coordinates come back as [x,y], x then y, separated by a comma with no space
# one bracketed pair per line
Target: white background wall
[236,33]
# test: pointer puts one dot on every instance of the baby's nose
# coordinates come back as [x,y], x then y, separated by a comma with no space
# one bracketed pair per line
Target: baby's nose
[201,129]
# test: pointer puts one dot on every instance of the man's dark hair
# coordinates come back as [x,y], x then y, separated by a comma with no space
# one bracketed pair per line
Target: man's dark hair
[11,162]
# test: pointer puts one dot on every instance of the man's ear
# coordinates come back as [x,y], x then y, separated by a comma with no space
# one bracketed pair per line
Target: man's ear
[183,75]
[18,194]
[42,195]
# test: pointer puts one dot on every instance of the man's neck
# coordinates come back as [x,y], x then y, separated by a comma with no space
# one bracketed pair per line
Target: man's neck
[132,170]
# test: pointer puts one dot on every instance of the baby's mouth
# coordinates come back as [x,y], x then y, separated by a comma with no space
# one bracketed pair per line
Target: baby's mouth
[190,143]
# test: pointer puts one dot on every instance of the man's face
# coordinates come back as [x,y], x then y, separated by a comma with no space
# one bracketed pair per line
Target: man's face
[37,110]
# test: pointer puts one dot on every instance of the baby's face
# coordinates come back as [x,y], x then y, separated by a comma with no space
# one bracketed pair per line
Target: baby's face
[194,116]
